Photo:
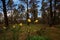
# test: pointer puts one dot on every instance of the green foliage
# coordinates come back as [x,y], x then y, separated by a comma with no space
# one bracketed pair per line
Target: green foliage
[16,31]
[4,34]
[37,38]
[13,31]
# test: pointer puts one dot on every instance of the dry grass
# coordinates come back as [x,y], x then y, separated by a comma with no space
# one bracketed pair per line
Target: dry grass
[51,32]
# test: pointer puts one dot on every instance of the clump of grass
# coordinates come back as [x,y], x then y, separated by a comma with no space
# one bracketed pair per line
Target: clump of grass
[4,33]
[37,38]
[16,31]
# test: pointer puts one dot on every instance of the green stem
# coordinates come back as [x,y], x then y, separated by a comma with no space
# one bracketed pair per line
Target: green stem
[4,35]
[16,34]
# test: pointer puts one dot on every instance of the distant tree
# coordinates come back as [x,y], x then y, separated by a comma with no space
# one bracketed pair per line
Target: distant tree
[1,14]
[34,8]
[1,17]
[10,7]
[15,15]
[21,8]
[58,10]
[54,17]
[51,11]
[26,2]
[43,10]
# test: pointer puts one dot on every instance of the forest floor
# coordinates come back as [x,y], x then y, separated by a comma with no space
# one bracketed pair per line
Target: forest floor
[43,30]
[38,29]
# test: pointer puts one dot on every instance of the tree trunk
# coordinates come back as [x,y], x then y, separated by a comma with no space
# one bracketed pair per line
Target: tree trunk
[27,13]
[34,12]
[11,16]
[51,14]
[5,13]
[54,20]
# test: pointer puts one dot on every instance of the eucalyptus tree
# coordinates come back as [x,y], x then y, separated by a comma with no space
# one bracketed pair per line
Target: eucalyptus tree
[34,8]
[44,9]
[55,13]
[10,4]
[52,13]
[57,7]
[26,2]
[1,17]
[5,12]
[21,10]
[51,9]
[15,15]
[10,7]
[54,17]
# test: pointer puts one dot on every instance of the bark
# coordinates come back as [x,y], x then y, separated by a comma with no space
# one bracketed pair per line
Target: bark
[27,13]
[54,20]
[5,13]
[51,14]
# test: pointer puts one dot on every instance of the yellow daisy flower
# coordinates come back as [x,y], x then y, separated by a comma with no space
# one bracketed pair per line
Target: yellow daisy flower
[29,20]
[4,27]
[14,26]
[36,21]
[20,24]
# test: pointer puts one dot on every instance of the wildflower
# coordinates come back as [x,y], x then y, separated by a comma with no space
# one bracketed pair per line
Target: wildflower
[29,20]
[20,24]
[4,27]
[36,21]
[14,26]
